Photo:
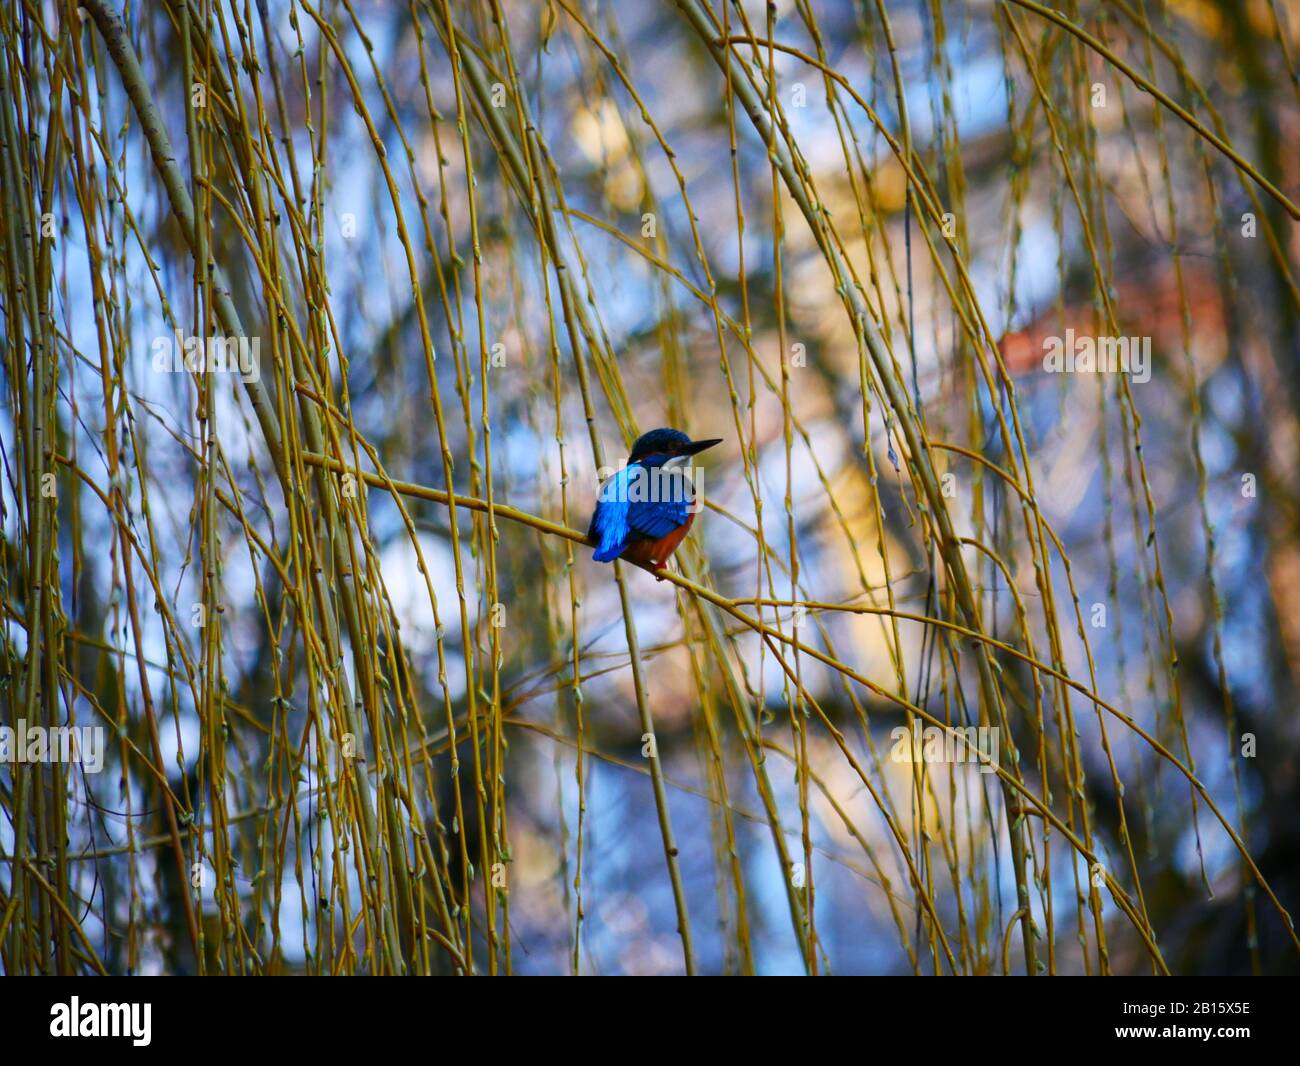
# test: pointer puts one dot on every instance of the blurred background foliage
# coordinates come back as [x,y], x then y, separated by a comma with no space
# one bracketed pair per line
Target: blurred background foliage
[370,707]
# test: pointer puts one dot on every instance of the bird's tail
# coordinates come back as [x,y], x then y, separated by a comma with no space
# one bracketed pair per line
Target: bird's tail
[607,553]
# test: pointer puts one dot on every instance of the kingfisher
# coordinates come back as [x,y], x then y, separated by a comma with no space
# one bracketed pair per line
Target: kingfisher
[643,511]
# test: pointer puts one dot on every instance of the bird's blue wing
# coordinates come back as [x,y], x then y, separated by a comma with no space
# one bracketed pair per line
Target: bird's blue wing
[657,518]
[637,501]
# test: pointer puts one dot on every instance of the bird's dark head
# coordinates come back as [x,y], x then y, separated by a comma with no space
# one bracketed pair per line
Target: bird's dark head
[660,445]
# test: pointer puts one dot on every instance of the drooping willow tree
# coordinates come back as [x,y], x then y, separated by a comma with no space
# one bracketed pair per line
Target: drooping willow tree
[322,322]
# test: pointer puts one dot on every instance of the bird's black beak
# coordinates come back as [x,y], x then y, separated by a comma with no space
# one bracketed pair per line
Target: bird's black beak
[697,446]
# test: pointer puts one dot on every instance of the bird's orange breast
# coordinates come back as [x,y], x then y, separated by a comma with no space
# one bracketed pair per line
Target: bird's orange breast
[657,552]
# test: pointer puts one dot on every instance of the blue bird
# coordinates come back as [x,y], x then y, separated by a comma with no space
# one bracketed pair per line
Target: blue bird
[643,512]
